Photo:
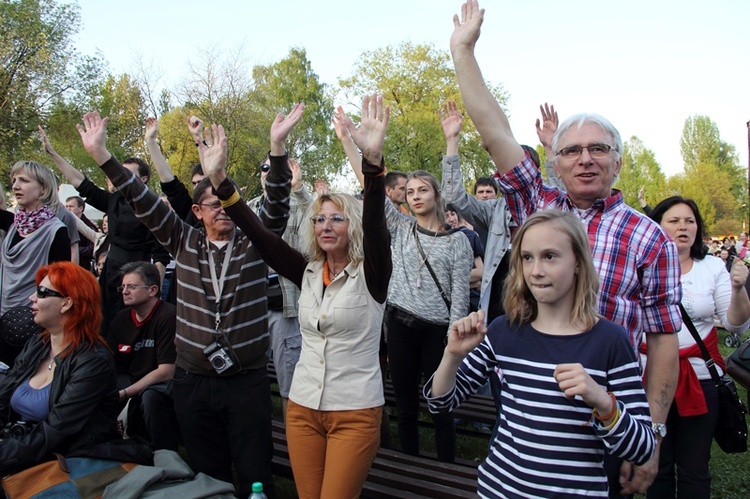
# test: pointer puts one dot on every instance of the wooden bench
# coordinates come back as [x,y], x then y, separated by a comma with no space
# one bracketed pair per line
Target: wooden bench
[397,475]
[478,409]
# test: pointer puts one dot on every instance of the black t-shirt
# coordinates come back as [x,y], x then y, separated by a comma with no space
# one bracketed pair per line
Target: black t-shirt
[139,349]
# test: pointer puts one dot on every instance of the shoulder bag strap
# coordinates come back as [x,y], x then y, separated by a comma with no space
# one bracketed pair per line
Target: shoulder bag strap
[432,272]
[704,351]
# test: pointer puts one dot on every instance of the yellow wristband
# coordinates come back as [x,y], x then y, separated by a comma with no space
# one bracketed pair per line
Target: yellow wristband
[226,203]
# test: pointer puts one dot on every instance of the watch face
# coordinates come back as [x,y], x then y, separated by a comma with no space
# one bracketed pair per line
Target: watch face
[660,429]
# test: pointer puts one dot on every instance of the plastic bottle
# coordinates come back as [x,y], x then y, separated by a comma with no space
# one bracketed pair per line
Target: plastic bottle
[258,491]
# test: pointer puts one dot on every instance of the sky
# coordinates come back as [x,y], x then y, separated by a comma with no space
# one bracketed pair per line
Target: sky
[644,65]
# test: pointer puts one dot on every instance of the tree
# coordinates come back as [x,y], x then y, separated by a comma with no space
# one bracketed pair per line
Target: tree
[117,97]
[640,168]
[277,88]
[220,90]
[217,90]
[705,154]
[415,80]
[39,66]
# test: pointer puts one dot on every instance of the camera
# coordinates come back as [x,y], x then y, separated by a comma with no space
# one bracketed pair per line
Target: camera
[16,429]
[218,357]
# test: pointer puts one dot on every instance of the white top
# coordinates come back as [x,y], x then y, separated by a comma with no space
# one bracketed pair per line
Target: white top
[338,368]
[706,290]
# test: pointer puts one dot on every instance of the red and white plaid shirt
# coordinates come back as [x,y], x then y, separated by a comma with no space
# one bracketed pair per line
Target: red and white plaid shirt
[639,271]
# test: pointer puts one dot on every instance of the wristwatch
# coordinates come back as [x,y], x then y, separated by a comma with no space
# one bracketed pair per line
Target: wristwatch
[659,429]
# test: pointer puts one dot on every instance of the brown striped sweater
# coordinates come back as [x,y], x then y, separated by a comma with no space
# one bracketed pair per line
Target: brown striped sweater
[244,315]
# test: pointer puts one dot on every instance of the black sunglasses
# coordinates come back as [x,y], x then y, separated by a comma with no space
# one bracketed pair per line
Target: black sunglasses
[42,292]
[265,167]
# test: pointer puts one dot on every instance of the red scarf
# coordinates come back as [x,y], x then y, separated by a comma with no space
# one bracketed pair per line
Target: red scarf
[689,397]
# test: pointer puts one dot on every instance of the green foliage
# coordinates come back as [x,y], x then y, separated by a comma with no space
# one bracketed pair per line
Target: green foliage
[38,67]
[117,97]
[277,88]
[415,80]
[220,91]
[707,185]
[712,172]
[640,168]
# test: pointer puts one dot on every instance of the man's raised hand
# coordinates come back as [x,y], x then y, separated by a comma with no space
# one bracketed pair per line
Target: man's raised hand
[94,136]
[281,127]
[466,29]
[546,128]
[214,158]
[152,128]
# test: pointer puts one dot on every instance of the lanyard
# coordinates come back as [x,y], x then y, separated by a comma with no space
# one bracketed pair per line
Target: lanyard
[218,284]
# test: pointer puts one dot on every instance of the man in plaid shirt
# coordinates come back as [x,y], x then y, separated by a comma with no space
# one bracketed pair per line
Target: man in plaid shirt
[639,271]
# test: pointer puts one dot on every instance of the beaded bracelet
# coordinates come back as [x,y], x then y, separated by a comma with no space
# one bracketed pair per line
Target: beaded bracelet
[611,413]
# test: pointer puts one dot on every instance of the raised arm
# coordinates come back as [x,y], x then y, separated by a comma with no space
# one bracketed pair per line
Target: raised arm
[477,213]
[163,170]
[195,127]
[275,251]
[71,174]
[738,312]
[369,138]
[545,130]
[452,121]
[350,148]
[483,108]
[299,191]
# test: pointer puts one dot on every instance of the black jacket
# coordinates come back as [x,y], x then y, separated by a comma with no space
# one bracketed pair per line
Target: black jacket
[83,405]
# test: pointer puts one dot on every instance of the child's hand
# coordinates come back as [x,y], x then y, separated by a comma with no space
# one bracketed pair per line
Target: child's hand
[465,334]
[574,380]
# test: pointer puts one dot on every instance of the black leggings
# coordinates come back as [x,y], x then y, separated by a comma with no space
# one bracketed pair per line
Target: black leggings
[415,348]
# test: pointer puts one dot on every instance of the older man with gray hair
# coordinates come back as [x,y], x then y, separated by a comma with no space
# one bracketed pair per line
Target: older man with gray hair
[638,268]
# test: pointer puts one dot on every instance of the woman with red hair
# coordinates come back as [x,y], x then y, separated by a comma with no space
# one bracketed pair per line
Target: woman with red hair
[60,395]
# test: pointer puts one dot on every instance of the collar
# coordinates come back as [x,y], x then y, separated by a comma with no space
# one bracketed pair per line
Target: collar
[604,205]
[148,317]
[316,269]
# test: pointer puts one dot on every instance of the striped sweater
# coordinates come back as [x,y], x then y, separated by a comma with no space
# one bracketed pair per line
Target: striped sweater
[544,445]
[412,288]
[244,315]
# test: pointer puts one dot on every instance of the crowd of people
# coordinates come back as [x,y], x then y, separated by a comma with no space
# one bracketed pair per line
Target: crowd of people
[542,288]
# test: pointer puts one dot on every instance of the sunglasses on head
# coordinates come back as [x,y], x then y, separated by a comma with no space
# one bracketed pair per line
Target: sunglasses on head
[42,292]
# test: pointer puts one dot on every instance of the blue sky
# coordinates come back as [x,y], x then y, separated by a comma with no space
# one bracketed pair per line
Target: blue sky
[645,65]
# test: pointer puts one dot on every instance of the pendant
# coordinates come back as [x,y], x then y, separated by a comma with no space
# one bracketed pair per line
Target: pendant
[419,282]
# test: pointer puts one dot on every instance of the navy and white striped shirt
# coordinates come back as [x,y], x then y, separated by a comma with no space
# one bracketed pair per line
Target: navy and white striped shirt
[545,445]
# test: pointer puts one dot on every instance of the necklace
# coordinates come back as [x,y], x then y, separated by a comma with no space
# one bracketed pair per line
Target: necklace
[329,275]
[52,362]
[425,256]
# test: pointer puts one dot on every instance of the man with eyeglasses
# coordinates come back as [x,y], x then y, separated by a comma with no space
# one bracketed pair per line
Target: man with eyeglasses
[283,295]
[142,339]
[638,267]
[221,391]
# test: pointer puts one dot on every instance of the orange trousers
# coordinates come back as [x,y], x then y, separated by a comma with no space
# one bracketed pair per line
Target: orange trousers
[331,451]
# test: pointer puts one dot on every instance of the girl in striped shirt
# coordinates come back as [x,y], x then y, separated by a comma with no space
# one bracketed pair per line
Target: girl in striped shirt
[570,382]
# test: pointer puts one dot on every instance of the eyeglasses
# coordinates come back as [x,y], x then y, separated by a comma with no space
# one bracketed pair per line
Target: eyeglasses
[335,219]
[42,292]
[131,287]
[595,150]
[265,167]
[215,206]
